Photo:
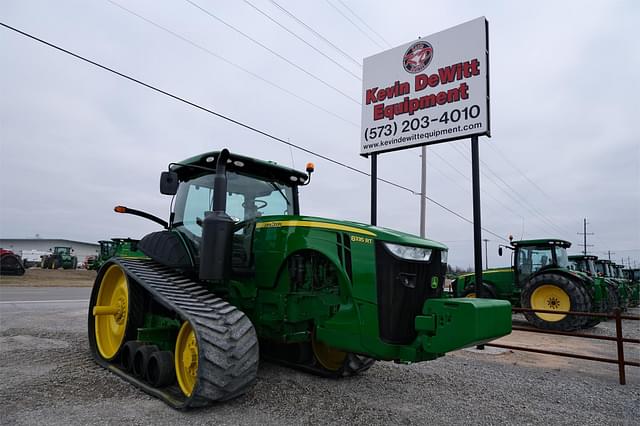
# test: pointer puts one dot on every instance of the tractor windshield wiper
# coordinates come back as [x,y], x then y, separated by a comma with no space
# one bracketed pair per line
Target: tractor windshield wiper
[281,192]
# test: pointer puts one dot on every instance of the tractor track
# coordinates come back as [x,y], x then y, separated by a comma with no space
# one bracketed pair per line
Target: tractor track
[227,344]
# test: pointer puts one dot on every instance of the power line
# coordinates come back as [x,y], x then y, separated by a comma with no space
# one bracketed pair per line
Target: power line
[229,62]
[510,163]
[484,191]
[517,198]
[365,24]
[352,23]
[239,123]
[263,13]
[317,34]
[310,74]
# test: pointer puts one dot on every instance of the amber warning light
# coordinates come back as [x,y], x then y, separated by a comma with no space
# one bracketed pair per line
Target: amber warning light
[310,167]
[120,209]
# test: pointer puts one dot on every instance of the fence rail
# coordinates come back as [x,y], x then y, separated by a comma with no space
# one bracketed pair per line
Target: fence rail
[619,339]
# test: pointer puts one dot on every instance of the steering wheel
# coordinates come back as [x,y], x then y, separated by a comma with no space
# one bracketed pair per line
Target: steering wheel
[260,204]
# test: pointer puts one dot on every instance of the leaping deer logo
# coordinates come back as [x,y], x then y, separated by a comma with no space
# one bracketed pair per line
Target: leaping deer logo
[417,57]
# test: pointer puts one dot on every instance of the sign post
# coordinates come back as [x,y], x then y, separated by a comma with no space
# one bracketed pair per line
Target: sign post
[431,90]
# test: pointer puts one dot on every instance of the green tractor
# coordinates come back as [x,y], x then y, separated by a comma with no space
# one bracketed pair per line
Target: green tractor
[60,257]
[238,274]
[604,294]
[620,290]
[122,247]
[540,278]
[633,276]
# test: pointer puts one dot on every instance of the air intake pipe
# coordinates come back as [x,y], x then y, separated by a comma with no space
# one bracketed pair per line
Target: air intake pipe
[217,229]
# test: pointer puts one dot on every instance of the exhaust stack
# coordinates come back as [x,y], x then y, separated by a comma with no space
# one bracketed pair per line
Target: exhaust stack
[217,229]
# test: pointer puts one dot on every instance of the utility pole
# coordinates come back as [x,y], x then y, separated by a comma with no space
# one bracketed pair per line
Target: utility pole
[609,252]
[486,254]
[423,194]
[585,233]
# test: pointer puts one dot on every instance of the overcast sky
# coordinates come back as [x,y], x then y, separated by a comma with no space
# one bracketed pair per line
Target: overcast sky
[76,140]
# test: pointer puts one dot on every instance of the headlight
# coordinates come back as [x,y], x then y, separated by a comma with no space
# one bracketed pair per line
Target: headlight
[408,252]
[444,254]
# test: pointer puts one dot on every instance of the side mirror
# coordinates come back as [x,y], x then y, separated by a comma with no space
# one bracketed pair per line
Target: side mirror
[499,251]
[168,183]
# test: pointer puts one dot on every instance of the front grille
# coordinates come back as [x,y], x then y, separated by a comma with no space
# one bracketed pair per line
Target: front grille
[403,286]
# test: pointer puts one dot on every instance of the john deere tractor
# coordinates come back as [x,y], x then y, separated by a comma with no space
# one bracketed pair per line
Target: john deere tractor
[607,270]
[60,257]
[540,278]
[123,247]
[604,294]
[237,274]
[633,275]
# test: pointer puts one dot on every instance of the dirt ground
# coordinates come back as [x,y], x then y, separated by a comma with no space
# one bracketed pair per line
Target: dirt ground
[47,376]
[37,277]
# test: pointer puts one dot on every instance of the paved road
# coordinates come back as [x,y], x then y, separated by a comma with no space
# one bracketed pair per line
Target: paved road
[21,295]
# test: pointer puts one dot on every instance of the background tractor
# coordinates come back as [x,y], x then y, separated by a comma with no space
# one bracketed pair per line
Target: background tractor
[10,263]
[604,294]
[122,247]
[605,268]
[60,257]
[540,278]
[238,274]
[633,276]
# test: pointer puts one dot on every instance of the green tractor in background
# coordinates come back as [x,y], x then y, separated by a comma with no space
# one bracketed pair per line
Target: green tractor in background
[633,276]
[122,247]
[604,293]
[238,274]
[607,270]
[540,278]
[60,257]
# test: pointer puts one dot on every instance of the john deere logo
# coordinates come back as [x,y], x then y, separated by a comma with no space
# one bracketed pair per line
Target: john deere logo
[417,57]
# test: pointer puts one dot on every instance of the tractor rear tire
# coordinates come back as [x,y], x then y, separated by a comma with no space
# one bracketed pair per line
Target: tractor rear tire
[613,297]
[487,290]
[555,292]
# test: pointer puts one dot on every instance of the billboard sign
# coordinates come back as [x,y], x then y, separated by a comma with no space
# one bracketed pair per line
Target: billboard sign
[428,91]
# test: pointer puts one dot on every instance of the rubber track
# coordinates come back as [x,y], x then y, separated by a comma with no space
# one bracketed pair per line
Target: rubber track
[227,343]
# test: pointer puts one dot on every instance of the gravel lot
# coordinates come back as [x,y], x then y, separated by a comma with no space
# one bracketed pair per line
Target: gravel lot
[48,377]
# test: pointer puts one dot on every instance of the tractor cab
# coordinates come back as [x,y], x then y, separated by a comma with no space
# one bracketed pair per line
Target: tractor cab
[584,263]
[603,268]
[532,256]
[63,251]
[107,249]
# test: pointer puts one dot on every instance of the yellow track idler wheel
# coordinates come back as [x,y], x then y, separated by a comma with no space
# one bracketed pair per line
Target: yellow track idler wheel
[186,359]
[111,312]
[553,298]
[330,358]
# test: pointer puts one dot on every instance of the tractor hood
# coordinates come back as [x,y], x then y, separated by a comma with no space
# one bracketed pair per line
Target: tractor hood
[368,231]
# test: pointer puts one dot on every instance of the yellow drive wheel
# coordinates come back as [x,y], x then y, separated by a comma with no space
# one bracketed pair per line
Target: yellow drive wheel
[550,297]
[111,312]
[330,358]
[186,359]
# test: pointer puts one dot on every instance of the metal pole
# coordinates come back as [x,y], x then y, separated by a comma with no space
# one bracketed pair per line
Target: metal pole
[477,226]
[486,254]
[423,194]
[585,236]
[374,189]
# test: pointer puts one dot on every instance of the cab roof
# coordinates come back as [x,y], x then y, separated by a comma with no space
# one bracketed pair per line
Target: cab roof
[583,256]
[542,241]
[270,170]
